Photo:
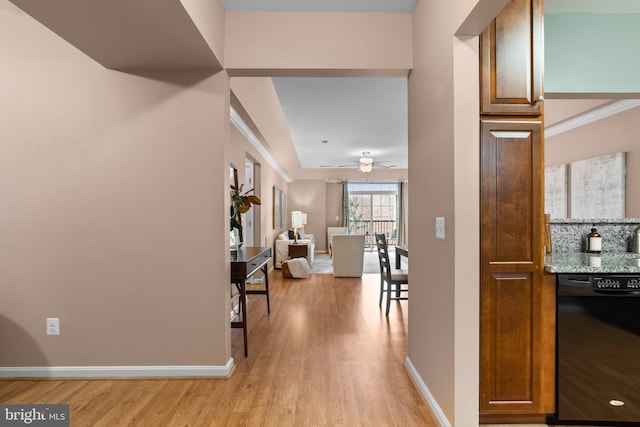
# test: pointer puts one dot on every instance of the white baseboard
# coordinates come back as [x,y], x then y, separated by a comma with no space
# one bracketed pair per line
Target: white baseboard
[118,371]
[426,394]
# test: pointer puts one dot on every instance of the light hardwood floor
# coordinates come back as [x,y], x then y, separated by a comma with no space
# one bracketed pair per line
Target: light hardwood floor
[326,356]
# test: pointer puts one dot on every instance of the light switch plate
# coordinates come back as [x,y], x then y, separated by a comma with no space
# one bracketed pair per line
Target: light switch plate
[440,228]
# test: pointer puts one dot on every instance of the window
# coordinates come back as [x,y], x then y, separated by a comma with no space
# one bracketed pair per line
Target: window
[372,209]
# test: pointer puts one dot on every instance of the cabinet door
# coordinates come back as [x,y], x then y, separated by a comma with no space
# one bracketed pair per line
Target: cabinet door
[511,50]
[512,263]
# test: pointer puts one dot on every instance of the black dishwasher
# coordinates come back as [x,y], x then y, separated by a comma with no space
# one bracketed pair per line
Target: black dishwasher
[598,349]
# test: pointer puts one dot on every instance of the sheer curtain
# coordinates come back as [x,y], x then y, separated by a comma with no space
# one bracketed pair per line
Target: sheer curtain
[402,214]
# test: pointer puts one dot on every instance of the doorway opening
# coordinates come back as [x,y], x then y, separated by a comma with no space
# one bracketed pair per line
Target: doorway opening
[372,208]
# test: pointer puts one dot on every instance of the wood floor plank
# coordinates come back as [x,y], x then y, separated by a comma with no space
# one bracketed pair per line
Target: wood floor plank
[326,355]
[98,398]
[131,397]
[15,391]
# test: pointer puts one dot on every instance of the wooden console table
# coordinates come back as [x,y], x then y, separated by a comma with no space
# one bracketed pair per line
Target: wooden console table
[245,264]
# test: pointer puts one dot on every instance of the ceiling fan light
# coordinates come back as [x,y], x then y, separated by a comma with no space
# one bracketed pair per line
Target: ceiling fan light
[366,160]
[366,168]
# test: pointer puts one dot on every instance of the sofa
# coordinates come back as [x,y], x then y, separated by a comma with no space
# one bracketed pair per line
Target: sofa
[282,248]
[348,255]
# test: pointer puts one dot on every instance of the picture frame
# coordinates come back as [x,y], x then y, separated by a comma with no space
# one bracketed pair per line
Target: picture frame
[277,207]
[283,209]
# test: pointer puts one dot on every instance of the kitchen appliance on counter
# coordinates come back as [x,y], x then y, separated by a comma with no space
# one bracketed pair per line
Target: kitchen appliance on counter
[635,241]
[598,349]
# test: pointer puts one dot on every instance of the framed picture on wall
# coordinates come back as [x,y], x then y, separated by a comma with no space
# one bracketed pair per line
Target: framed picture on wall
[277,207]
[591,188]
[283,209]
[598,187]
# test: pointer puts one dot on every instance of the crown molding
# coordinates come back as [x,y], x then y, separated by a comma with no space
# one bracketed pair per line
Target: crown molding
[591,116]
[253,140]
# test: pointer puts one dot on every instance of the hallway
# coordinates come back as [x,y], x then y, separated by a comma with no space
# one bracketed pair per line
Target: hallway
[326,355]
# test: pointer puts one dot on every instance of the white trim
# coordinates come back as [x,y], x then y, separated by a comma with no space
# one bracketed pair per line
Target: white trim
[591,116]
[117,371]
[428,397]
[244,130]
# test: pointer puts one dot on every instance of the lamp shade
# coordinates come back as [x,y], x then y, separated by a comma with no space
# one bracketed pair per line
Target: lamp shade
[304,218]
[296,219]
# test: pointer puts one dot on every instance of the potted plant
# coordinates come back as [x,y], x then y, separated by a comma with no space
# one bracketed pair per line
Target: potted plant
[241,202]
[351,216]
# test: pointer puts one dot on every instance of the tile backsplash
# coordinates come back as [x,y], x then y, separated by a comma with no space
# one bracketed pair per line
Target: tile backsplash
[570,235]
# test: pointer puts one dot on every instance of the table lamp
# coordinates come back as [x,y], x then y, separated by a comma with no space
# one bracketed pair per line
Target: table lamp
[296,222]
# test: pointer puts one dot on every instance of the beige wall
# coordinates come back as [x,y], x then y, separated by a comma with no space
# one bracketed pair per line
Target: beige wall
[290,43]
[309,196]
[260,107]
[467,226]
[613,134]
[443,172]
[209,18]
[110,32]
[114,212]
[431,171]
[266,177]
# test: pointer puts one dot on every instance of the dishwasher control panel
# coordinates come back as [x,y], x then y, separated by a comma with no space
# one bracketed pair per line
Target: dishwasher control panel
[616,282]
[606,283]
[600,281]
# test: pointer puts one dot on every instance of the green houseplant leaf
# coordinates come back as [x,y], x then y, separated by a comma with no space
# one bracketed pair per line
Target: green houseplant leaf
[241,202]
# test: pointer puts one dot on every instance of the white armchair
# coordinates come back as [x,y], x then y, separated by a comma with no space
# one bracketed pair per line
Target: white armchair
[348,255]
[282,248]
[334,230]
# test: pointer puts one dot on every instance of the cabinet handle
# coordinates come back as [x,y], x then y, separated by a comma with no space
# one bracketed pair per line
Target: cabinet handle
[540,99]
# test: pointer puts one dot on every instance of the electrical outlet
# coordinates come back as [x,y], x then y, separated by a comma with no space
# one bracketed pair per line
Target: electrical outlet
[53,326]
[440,228]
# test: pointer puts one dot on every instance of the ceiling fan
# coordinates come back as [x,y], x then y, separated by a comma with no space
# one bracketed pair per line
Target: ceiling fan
[366,163]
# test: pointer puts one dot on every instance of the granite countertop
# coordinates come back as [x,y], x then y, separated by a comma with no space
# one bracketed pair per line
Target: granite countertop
[582,262]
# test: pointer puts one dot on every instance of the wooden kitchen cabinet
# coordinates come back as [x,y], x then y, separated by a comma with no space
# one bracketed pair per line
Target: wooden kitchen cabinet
[517,309]
[511,61]
[512,263]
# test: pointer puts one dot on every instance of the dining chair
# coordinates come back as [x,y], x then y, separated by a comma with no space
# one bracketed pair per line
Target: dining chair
[394,282]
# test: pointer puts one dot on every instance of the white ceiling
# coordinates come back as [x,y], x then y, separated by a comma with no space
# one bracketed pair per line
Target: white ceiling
[351,114]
